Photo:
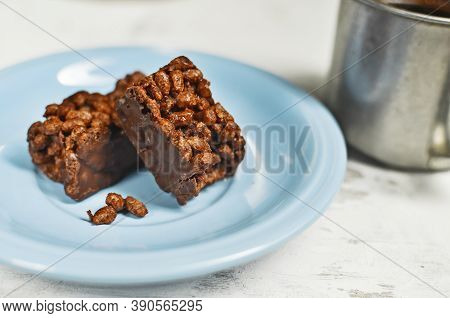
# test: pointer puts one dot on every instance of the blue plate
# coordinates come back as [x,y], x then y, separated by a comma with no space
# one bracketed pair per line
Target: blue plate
[293,167]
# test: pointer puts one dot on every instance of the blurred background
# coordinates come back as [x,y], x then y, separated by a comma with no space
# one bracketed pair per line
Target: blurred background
[293,39]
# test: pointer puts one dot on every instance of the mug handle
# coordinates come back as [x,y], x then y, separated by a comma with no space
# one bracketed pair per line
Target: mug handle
[440,144]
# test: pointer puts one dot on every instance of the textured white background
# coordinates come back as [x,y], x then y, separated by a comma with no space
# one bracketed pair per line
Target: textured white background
[406,216]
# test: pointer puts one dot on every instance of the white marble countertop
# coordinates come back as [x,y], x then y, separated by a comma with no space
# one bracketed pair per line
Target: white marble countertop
[403,216]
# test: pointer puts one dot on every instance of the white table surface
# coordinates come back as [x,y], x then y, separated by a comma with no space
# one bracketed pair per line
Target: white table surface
[405,216]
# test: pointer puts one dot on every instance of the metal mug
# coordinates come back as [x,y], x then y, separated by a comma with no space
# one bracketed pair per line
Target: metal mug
[390,81]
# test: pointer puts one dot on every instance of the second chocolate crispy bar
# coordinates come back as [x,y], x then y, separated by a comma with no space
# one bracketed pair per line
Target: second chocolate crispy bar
[182,135]
[81,144]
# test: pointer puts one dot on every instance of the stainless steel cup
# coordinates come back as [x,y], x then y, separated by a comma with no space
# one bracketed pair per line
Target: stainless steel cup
[390,81]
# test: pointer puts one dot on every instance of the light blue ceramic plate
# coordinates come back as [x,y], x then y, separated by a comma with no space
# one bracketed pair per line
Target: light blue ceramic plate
[292,170]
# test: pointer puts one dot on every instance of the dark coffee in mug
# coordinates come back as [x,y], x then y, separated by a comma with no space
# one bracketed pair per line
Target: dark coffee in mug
[438,8]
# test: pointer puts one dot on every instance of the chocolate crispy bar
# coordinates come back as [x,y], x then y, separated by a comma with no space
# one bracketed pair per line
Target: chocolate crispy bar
[81,144]
[182,135]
